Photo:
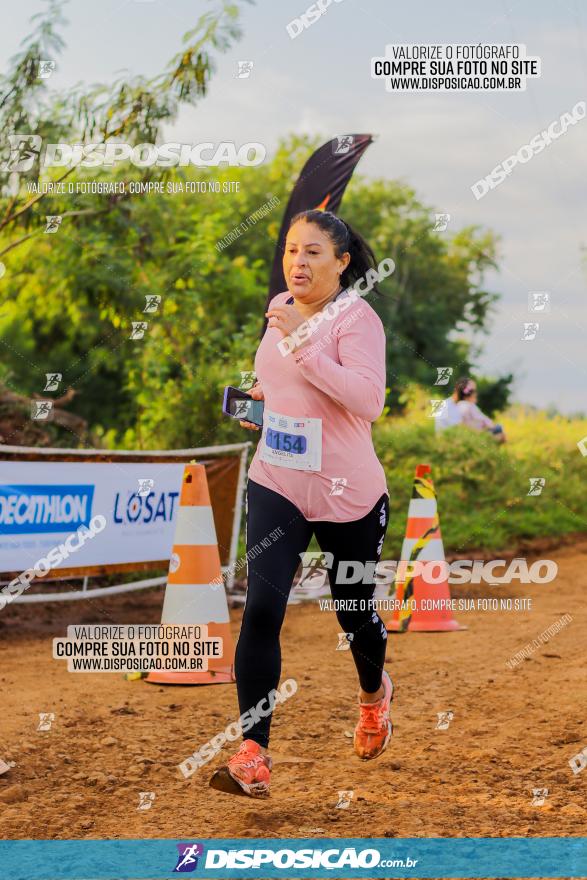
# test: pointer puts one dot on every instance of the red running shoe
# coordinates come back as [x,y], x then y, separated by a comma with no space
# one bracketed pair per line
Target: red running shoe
[374,729]
[247,772]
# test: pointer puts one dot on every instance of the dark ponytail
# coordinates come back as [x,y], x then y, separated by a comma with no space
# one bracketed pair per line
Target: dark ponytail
[344,238]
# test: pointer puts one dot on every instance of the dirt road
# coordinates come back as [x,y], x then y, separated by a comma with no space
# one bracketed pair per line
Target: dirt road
[513,730]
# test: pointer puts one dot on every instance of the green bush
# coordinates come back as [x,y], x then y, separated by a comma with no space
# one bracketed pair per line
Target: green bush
[482,488]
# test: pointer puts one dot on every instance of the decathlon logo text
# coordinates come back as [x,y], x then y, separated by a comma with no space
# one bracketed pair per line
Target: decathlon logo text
[541,140]
[26,149]
[28,508]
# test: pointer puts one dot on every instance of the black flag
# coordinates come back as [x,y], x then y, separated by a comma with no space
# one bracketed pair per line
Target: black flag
[321,185]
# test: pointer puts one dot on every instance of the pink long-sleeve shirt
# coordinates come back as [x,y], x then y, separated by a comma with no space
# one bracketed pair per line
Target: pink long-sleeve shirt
[339,377]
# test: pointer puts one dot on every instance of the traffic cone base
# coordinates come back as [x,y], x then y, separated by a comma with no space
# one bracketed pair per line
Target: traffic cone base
[194,594]
[219,672]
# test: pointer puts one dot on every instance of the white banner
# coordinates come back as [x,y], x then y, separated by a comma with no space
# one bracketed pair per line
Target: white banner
[41,503]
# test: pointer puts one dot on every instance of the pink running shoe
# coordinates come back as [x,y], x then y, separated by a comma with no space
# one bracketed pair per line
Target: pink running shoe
[374,729]
[247,772]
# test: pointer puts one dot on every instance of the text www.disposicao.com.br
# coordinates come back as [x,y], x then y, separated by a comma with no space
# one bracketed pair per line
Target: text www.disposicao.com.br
[139,664]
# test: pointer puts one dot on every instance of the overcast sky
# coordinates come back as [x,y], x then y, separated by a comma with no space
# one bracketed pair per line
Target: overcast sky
[440,144]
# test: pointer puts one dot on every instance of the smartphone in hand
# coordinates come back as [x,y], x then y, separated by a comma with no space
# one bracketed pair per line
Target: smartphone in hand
[239,405]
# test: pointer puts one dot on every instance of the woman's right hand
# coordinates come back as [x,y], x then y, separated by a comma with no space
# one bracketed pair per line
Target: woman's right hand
[256,393]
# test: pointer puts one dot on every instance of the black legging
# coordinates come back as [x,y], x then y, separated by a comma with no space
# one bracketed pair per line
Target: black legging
[270,576]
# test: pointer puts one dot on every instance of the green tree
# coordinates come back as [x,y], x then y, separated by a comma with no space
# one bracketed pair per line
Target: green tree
[134,109]
[68,317]
[68,301]
[436,291]
[494,394]
[164,389]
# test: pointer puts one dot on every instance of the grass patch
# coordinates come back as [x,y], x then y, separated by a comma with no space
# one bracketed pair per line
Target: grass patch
[482,487]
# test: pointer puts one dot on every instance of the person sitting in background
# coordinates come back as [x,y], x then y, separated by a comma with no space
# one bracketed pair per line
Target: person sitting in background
[465,395]
[448,415]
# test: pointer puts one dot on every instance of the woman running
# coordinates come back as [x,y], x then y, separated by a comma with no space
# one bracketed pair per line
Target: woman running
[315,471]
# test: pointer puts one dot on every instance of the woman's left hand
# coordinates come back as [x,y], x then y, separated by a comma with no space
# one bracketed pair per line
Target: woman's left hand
[285,318]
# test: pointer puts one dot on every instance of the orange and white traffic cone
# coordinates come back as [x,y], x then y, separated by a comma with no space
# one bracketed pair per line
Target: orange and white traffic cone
[195,593]
[426,600]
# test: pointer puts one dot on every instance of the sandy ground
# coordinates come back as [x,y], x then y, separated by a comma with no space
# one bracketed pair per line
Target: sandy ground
[512,731]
